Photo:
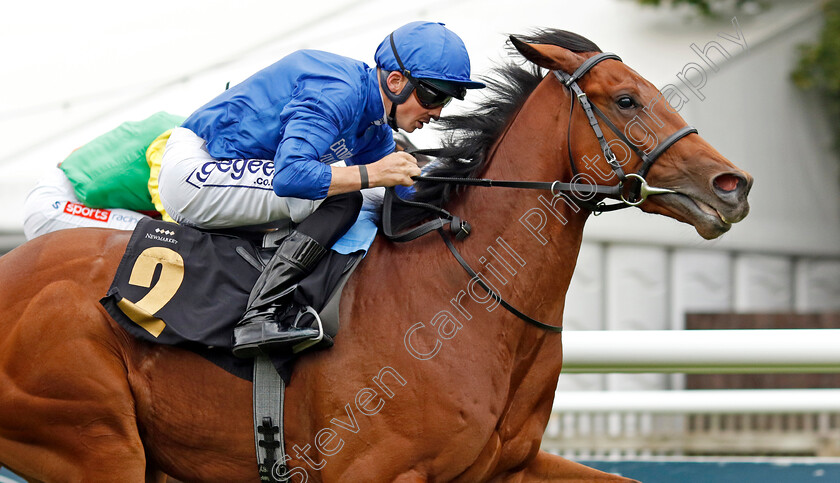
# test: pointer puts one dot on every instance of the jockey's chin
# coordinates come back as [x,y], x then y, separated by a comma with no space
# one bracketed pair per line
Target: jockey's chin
[412,116]
[414,124]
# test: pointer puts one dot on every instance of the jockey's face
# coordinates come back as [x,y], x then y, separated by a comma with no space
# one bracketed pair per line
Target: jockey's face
[410,114]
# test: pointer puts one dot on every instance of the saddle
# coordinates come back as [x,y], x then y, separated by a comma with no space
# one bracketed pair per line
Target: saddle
[180,286]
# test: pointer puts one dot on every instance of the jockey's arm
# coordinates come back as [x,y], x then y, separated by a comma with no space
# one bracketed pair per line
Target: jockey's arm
[394,169]
[308,136]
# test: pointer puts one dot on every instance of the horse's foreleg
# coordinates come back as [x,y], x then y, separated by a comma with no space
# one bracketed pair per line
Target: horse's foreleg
[549,467]
[72,439]
[68,411]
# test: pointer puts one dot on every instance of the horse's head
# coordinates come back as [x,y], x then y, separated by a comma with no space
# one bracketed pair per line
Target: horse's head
[707,190]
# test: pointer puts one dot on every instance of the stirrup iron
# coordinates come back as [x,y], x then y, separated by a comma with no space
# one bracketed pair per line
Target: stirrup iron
[302,346]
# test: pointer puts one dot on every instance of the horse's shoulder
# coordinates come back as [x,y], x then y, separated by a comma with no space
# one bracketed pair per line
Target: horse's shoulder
[108,236]
[77,254]
[84,241]
[80,238]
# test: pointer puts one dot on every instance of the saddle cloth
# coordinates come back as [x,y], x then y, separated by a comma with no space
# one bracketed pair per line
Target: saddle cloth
[179,286]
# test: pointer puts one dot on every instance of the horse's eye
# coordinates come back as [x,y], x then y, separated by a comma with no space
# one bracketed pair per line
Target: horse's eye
[626,102]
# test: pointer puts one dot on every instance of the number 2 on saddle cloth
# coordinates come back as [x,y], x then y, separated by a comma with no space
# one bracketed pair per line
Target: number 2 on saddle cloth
[177,285]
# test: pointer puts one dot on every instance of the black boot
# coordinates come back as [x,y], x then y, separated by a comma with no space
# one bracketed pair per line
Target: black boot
[259,331]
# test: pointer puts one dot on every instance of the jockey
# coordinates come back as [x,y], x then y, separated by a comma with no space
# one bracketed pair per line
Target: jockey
[297,141]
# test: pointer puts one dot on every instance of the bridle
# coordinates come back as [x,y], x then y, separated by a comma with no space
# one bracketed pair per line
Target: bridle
[581,193]
[639,194]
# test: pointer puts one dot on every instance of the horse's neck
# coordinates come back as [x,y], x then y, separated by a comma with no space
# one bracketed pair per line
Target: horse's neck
[418,304]
[545,232]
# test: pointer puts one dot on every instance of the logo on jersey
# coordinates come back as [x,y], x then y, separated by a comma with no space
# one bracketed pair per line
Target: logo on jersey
[78,209]
[340,152]
[249,173]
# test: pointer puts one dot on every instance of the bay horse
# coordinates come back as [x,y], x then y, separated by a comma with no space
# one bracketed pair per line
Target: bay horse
[429,379]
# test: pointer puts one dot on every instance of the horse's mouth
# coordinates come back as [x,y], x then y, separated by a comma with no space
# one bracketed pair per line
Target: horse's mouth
[707,220]
[710,212]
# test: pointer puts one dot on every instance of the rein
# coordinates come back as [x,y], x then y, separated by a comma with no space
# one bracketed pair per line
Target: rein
[580,193]
[458,228]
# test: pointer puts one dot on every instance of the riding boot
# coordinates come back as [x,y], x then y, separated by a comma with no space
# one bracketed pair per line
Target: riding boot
[259,330]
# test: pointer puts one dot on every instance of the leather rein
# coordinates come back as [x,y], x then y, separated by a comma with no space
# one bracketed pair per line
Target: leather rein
[632,189]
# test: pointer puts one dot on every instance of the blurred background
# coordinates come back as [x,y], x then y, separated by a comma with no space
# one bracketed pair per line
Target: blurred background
[71,71]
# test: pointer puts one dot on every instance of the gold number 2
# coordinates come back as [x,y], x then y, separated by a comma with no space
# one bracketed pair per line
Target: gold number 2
[143,311]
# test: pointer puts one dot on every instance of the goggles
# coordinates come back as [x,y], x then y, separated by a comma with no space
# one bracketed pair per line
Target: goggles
[429,97]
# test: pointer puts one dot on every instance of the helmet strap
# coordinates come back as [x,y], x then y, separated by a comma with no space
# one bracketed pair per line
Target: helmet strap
[395,99]
[392,117]
[399,98]
[407,89]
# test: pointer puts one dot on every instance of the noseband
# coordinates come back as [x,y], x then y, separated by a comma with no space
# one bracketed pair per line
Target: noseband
[580,193]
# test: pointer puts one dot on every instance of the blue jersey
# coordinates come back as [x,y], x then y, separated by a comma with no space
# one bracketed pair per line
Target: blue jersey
[306,111]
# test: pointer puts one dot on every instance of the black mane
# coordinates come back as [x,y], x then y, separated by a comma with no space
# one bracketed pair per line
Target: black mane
[468,137]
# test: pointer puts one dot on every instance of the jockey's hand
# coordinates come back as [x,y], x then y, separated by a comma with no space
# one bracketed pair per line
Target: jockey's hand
[395,168]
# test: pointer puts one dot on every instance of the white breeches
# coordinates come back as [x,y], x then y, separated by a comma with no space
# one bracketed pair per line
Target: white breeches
[200,191]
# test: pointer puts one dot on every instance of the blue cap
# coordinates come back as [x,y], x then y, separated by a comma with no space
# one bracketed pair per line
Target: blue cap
[428,50]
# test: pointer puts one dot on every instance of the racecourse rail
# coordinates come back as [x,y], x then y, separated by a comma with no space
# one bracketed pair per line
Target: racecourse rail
[702,351]
[640,424]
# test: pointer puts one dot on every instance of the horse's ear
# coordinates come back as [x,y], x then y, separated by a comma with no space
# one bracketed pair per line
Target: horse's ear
[550,57]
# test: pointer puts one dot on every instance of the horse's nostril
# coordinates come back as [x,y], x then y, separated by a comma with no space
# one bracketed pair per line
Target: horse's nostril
[727,182]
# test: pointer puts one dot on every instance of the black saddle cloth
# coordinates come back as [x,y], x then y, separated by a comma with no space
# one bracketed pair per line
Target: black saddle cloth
[180,286]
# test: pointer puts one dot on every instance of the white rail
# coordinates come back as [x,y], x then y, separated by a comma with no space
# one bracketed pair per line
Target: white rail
[702,351]
[723,401]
